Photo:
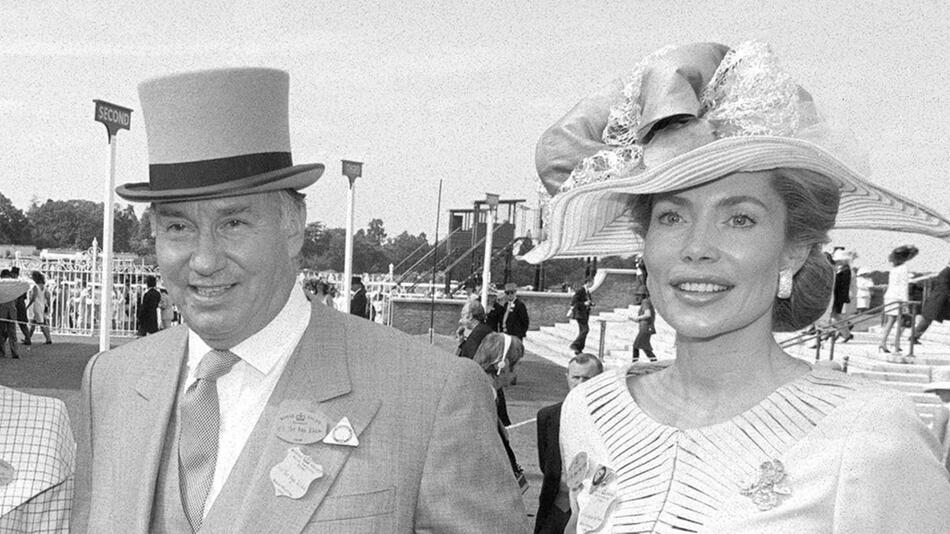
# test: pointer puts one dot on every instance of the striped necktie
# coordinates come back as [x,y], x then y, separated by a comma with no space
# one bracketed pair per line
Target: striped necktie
[198,442]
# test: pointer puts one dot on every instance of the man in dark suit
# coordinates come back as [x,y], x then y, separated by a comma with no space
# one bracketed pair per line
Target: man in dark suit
[264,412]
[580,311]
[554,507]
[480,329]
[937,305]
[21,316]
[359,304]
[514,320]
[148,308]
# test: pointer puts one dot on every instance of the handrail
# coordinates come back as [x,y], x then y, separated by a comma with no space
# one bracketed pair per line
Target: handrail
[426,244]
[500,251]
[830,330]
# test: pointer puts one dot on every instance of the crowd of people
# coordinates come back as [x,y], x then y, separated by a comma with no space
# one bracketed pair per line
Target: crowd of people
[267,411]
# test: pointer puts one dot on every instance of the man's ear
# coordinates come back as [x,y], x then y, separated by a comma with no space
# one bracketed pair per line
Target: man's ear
[794,256]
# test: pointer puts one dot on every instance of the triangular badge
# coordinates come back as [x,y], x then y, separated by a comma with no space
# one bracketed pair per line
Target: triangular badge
[342,434]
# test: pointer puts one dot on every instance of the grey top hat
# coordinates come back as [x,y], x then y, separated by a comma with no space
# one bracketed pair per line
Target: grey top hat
[218,133]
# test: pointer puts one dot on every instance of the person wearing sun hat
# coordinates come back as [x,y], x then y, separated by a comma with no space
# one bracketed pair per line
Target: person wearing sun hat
[263,412]
[716,166]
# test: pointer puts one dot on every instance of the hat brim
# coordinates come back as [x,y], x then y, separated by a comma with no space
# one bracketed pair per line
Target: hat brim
[11,289]
[595,219]
[296,177]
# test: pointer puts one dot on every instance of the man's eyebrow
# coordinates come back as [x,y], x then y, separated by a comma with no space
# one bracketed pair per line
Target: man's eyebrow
[167,211]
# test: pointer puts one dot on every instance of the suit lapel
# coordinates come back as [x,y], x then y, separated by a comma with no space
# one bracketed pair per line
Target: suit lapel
[317,372]
[153,399]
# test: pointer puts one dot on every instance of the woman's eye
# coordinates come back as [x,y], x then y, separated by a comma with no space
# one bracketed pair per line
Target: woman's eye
[669,217]
[175,227]
[741,220]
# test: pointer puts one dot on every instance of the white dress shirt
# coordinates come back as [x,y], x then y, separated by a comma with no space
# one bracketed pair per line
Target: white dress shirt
[244,391]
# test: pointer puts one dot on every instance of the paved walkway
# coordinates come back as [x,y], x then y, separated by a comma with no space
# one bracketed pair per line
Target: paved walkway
[56,371]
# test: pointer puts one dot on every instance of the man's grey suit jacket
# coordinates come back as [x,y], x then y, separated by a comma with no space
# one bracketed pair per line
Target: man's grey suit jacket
[429,458]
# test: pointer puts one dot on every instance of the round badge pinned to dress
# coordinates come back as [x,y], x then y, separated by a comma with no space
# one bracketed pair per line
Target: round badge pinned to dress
[577,471]
[293,476]
[7,472]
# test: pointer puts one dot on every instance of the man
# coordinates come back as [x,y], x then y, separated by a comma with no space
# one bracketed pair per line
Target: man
[359,305]
[514,321]
[148,308]
[554,507]
[8,315]
[937,305]
[580,312]
[262,412]
[478,330]
[841,294]
[21,316]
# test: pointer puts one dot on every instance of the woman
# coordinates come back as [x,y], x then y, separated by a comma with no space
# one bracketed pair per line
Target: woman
[37,452]
[898,284]
[862,294]
[39,300]
[709,161]
[646,319]
[497,355]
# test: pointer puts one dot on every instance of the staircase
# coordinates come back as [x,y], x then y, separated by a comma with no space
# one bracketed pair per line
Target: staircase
[861,353]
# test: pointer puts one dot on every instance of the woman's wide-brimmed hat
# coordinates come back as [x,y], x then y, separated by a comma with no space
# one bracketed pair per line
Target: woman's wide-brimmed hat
[686,116]
[218,133]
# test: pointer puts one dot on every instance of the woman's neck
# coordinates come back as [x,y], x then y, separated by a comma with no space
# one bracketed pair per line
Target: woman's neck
[715,379]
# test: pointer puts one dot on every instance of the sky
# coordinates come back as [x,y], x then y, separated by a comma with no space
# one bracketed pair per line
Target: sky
[455,91]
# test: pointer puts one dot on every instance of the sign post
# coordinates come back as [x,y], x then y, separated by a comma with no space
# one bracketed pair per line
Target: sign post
[115,118]
[492,201]
[352,170]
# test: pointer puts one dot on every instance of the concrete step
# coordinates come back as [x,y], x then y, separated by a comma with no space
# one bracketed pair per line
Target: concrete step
[890,377]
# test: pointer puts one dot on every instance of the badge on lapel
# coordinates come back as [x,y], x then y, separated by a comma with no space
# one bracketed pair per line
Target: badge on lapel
[342,434]
[301,423]
[293,476]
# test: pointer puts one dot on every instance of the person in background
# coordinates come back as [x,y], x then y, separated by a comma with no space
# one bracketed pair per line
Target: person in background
[514,321]
[477,328]
[646,320]
[8,314]
[37,460]
[497,355]
[39,300]
[581,304]
[937,305]
[22,317]
[148,308]
[841,294]
[862,294]
[554,505]
[167,309]
[898,285]
[940,425]
[359,304]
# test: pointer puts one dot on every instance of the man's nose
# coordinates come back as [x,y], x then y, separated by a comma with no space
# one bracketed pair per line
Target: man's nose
[208,255]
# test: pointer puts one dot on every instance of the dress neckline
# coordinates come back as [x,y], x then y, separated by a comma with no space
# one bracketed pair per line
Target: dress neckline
[800,382]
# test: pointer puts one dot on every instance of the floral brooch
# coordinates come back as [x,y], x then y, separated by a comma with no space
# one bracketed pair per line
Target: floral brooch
[771,483]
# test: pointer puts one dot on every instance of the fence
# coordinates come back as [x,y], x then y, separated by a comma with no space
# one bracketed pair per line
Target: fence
[75,284]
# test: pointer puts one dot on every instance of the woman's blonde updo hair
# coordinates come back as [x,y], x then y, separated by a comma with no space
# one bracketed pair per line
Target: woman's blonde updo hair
[811,205]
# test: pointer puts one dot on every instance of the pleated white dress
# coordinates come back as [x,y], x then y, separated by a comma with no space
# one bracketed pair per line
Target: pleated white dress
[856,456]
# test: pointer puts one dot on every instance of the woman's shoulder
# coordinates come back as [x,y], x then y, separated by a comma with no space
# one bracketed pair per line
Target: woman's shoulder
[38,440]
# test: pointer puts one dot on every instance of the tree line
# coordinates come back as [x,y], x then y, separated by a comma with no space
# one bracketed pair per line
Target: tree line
[72,224]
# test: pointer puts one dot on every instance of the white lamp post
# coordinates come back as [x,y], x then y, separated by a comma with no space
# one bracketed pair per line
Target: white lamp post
[352,170]
[492,201]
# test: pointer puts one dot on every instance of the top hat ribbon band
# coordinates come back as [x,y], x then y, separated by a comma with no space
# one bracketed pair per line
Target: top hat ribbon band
[194,174]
